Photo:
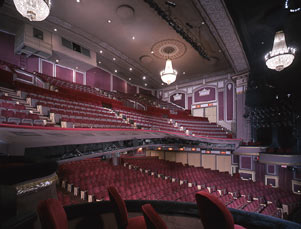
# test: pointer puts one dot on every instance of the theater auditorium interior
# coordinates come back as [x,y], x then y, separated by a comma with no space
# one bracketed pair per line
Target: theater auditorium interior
[150,114]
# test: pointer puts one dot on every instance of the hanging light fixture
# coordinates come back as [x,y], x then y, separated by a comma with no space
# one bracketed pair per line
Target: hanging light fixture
[34,10]
[168,75]
[281,56]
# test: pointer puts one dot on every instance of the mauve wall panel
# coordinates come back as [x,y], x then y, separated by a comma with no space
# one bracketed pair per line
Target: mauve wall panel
[79,77]
[33,64]
[204,98]
[7,49]
[131,89]
[260,172]
[47,68]
[99,78]
[271,169]
[285,178]
[246,162]
[221,105]
[118,84]
[64,73]
[230,90]
[189,102]
[181,101]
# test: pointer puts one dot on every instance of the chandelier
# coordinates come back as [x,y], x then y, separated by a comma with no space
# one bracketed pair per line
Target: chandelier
[168,75]
[34,10]
[281,56]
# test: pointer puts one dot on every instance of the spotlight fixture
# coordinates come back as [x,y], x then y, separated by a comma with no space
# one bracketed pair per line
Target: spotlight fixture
[100,51]
[130,79]
[55,29]
[34,10]
[57,60]
[130,69]
[145,84]
[114,58]
[115,71]
[109,21]
[144,77]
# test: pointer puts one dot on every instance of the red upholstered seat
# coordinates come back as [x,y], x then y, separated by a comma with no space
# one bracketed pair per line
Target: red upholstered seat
[213,213]
[52,214]
[152,219]
[121,213]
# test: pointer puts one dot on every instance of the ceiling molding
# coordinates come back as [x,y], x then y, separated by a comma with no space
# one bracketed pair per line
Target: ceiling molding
[220,24]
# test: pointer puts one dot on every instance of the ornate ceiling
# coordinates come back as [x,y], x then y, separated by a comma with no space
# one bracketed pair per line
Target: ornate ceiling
[131,34]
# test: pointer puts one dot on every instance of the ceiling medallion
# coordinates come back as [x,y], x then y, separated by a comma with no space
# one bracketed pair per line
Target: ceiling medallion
[34,10]
[168,49]
[281,56]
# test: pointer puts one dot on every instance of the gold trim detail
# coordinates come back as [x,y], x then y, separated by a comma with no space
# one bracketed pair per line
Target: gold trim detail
[35,185]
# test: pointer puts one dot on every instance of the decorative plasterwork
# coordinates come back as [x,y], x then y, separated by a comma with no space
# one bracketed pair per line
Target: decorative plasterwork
[220,24]
[169,48]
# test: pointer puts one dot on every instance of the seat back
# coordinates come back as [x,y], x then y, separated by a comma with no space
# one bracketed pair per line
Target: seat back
[119,207]
[52,214]
[213,212]
[152,219]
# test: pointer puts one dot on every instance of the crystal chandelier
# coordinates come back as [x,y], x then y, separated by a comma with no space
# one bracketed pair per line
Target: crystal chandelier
[281,56]
[168,75]
[34,10]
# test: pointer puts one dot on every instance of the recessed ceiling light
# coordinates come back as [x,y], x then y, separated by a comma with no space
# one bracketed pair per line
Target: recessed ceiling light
[100,51]
[152,52]
[131,69]
[262,42]
[203,22]
[99,62]
[116,70]
[114,58]
[57,60]
[109,21]
[55,29]
[145,84]
[144,77]
[162,84]
[133,38]
[130,79]
[219,50]
[184,73]
[78,1]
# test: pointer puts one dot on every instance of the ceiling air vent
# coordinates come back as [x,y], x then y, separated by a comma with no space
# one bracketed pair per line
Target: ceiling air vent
[75,47]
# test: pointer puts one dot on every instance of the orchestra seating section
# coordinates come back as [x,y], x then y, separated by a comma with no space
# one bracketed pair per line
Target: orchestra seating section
[148,178]
[70,105]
